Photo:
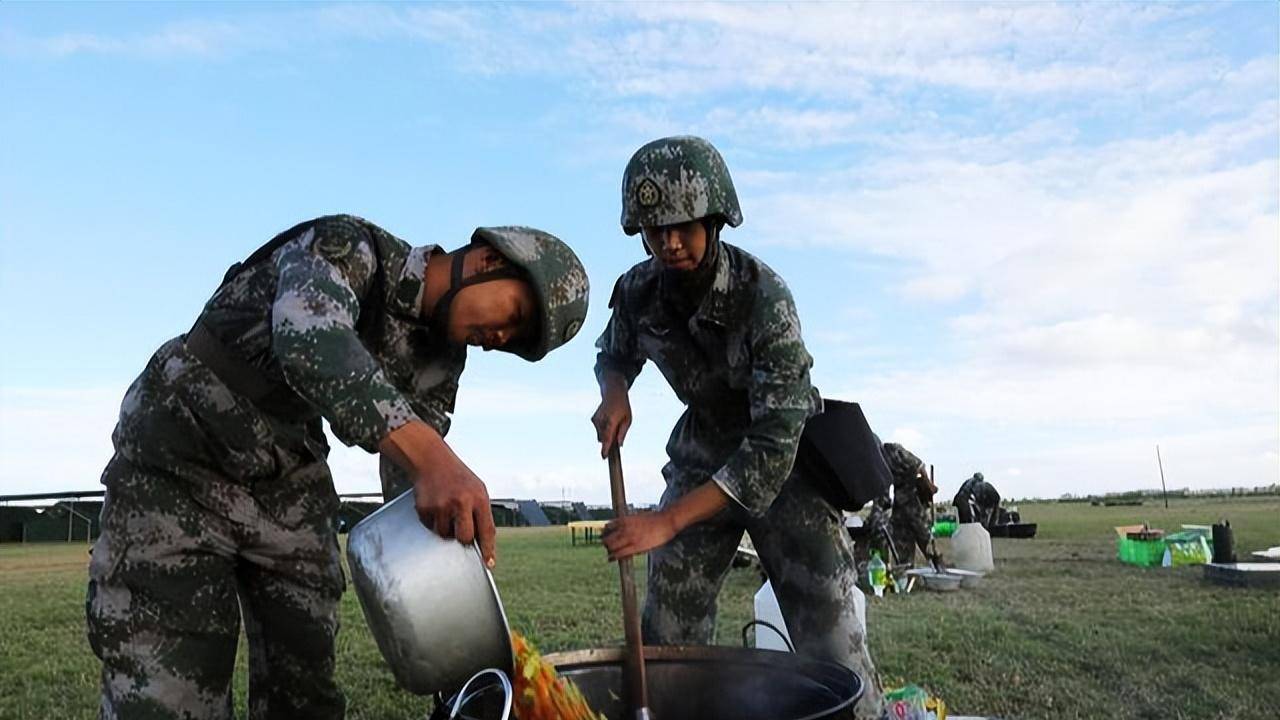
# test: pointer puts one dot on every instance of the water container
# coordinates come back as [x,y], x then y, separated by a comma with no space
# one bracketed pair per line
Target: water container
[877,574]
[767,609]
[971,548]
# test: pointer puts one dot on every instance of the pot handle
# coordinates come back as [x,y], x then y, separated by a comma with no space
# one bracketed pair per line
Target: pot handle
[462,698]
[772,627]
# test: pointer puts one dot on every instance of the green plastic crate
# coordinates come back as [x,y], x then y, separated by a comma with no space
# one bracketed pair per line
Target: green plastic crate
[1147,553]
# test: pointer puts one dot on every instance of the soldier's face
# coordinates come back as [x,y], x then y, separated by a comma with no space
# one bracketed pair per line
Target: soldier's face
[680,246]
[491,314]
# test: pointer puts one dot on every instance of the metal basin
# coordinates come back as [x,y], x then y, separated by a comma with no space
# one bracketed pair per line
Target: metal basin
[430,603]
[717,683]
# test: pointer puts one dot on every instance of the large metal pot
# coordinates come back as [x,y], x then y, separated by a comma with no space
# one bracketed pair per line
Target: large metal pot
[430,602]
[703,683]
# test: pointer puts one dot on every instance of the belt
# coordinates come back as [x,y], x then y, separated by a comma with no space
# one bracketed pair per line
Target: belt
[239,375]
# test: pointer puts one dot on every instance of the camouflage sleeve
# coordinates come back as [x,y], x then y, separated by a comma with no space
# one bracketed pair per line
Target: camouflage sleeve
[781,400]
[618,349]
[435,401]
[313,335]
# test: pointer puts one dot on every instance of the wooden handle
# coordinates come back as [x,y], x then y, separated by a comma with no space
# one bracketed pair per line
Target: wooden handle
[633,668]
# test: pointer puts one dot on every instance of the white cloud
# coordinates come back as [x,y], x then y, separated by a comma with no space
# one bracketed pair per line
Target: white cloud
[908,437]
[871,60]
[666,49]
[1097,273]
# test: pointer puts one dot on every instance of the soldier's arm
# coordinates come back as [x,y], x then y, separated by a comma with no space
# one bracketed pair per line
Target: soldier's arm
[781,400]
[434,405]
[436,395]
[617,365]
[620,359]
[635,534]
[321,279]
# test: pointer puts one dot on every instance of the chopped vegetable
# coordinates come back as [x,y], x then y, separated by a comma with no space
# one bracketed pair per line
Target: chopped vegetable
[541,694]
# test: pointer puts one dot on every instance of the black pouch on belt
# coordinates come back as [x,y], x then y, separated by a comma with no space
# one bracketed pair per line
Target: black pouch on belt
[843,456]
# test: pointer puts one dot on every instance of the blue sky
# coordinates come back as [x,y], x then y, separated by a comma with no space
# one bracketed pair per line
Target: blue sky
[1031,239]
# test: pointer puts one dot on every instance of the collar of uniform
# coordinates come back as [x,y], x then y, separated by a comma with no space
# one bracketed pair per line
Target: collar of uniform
[406,301]
[718,306]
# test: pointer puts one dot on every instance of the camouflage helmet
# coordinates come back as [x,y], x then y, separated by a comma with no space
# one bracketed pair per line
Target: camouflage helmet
[559,282]
[901,460]
[675,180]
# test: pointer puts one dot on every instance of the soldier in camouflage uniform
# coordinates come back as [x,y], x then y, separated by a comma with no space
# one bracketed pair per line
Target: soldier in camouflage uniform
[905,519]
[722,328]
[219,503]
[977,501]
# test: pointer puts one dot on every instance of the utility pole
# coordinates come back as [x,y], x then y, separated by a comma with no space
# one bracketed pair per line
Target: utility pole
[1163,489]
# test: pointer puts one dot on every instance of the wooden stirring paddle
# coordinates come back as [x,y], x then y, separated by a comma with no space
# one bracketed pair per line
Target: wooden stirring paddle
[633,666]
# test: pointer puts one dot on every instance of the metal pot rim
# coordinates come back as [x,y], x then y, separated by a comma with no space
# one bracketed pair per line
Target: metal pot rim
[811,668]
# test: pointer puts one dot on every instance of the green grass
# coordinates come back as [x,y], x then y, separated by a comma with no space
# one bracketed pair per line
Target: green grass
[1062,630]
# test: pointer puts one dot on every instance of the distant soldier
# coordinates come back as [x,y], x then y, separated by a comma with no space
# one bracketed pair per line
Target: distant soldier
[219,502]
[905,519]
[722,328]
[977,501]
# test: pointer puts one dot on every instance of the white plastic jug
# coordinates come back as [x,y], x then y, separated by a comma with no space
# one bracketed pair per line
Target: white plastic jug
[767,610]
[971,548]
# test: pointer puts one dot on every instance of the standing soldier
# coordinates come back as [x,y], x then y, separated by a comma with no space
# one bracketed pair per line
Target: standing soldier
[722,328]
[219,502]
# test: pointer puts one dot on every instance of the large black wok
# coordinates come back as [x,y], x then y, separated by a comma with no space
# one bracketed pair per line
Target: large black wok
[706,683]
[717,683]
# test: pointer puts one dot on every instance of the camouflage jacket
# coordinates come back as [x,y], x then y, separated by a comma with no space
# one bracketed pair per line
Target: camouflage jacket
[910,488]
[739,366]
[294,317]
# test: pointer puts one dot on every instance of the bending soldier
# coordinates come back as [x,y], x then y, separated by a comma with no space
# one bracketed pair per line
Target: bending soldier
[219,502]
[977,501]
[907,524]
[722,328]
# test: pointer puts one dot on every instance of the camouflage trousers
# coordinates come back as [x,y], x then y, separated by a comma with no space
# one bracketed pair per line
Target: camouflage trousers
[907,525]
[808,557]
[173,574]
[911,531]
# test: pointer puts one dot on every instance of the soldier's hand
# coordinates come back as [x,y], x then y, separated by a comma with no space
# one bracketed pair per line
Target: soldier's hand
[636,534]
[453,502]
[449,498]
[612,419]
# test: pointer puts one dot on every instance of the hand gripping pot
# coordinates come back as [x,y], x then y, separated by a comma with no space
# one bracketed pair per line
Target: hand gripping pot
[430,602]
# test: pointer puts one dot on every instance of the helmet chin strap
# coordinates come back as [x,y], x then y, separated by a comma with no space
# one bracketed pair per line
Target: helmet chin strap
[441,310]
[683,290]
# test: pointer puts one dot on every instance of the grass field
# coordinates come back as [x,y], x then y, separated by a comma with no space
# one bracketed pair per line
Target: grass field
[1062,630]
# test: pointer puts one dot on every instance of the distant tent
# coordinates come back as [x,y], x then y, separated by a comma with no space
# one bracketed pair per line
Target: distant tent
[532,512]
[581,512]
[13,522]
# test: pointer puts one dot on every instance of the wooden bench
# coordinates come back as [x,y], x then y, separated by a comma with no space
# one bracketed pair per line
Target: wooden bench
[591,530]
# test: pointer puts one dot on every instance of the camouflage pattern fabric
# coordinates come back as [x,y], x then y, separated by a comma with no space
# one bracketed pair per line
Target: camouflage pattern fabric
[909,520]
[975,500]
[741,368]
[808,556]
[216,503]
[675,180]
[170,578]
